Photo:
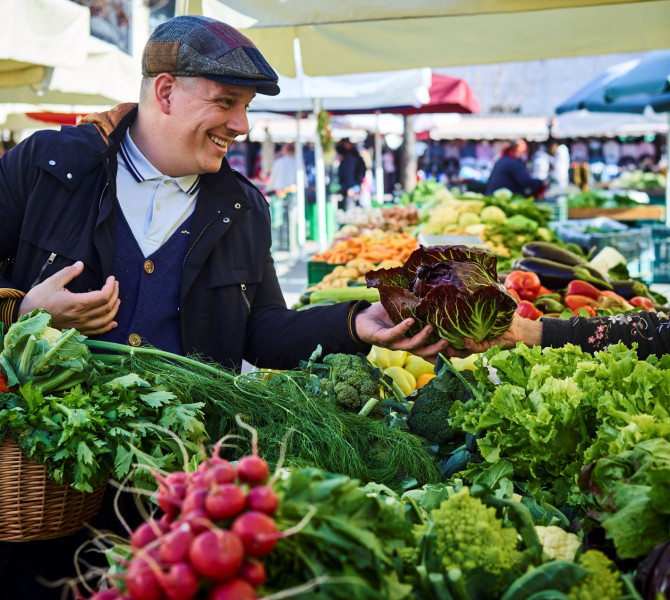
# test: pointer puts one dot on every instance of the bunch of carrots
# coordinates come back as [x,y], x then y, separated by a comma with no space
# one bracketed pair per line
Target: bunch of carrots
[396,246]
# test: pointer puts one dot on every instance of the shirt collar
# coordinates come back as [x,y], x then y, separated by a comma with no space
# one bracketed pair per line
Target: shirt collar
[142,170]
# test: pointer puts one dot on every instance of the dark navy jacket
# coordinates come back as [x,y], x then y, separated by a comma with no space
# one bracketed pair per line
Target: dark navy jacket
[511,173]
[58,196]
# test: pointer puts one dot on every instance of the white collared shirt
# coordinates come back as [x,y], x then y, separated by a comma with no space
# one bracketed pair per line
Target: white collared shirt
[154,205]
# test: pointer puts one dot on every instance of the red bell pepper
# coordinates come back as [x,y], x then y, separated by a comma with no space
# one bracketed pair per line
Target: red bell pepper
[589,309]
[514,294]
[526,284]
[3,384]
[576,301]
[582,288]
[644,302]
[543,291]
[528,311]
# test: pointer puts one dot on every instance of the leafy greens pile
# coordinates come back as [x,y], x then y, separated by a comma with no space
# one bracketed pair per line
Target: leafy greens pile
[454,288]
[83,434]
[558,409]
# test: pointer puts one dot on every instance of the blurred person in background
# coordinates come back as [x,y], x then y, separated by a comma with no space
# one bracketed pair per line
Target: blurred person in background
[510,172]
[283,172]
[560,163]
[350,173]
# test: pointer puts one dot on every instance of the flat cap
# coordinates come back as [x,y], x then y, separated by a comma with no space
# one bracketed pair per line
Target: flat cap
[197,46]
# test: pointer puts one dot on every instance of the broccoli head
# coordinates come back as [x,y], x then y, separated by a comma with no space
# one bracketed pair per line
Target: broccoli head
[352,380]
[429,417]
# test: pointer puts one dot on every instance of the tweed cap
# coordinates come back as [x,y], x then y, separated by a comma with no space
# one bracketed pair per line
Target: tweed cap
[196,46]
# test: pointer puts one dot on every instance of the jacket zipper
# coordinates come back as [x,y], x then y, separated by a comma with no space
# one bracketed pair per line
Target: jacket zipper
[104,189]
[243,287]
[218,212]
[45,266]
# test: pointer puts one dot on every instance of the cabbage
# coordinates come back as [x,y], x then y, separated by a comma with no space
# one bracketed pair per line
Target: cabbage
[454,288]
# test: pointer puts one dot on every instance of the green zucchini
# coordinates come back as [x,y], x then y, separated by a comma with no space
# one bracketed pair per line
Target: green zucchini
[345,294]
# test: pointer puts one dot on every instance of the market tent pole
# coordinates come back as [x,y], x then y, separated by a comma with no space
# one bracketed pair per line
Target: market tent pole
[667,175]
[320,184]
[300,181]
[379,169]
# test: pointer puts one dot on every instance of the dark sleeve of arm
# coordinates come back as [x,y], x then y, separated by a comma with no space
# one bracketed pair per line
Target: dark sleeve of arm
[520,174]
[279,338]
[650,331]
[15,171]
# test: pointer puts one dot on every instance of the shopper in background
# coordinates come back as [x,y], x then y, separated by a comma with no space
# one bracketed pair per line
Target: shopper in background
[350,173]
[283,172]
[560,163]
[388,165]
[510,172]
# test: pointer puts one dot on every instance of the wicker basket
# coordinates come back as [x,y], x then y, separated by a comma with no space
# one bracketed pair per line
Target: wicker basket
[33,507]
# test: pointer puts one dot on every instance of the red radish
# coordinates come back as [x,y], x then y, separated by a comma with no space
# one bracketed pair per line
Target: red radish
[196,481]
[237,589]
[141,581]
[263,499]
[217,554]
[226,501]
[253,470]
[180,582]
[144,535]
[110,594]
[253,572]
[220,472]
[171,491]
[198,520]
[257,531]
[174,546]
[195,500]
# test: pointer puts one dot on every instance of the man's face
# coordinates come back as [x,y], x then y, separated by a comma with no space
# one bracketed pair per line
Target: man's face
[208,116]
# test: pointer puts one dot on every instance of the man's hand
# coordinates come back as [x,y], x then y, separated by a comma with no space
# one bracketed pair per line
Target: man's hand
[90,313]
[521,330]
[374,326]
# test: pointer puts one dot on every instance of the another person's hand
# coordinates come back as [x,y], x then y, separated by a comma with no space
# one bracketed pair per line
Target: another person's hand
[374,326]
[90,313]
[521,330]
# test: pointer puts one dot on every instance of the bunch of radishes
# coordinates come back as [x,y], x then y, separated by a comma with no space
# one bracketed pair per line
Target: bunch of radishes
[217,522]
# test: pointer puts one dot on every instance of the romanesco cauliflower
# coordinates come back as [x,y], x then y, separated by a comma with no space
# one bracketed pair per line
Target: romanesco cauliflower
[470,536]
[602,582]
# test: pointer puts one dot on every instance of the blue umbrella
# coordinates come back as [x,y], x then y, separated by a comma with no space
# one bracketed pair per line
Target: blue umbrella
[629,87]
[593,97]
[650,76]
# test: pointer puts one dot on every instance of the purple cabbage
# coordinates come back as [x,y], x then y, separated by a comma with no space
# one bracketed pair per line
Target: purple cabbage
[454,288]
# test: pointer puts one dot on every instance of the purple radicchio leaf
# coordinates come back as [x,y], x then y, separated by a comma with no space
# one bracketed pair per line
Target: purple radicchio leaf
[456,289]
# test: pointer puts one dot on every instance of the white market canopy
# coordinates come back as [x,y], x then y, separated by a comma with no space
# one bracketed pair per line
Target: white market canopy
[38,35]
[106,77]
[349,36]
[348,92]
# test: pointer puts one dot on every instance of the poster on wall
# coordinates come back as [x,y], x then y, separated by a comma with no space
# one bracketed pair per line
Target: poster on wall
[111,21]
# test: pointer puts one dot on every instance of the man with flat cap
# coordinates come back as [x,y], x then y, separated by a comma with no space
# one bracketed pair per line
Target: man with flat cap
[133,228]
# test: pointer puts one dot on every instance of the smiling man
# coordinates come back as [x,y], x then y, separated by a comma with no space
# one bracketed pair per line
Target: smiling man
[132,227]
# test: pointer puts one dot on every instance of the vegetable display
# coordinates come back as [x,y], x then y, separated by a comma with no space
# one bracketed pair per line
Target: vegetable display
[454,288]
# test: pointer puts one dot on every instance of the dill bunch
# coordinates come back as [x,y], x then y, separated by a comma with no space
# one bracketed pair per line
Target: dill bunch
[324,436]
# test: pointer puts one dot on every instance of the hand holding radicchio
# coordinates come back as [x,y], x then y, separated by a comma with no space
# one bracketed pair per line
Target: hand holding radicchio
[454,288]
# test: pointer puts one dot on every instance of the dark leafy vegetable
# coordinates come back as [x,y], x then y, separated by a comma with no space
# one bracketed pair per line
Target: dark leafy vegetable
[557,275]
[551,252]
[454,288]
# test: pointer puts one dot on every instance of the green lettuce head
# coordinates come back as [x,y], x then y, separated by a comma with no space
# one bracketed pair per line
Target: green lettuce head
[454,288]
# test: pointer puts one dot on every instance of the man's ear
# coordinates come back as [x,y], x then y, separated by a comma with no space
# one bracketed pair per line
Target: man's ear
[164,86]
